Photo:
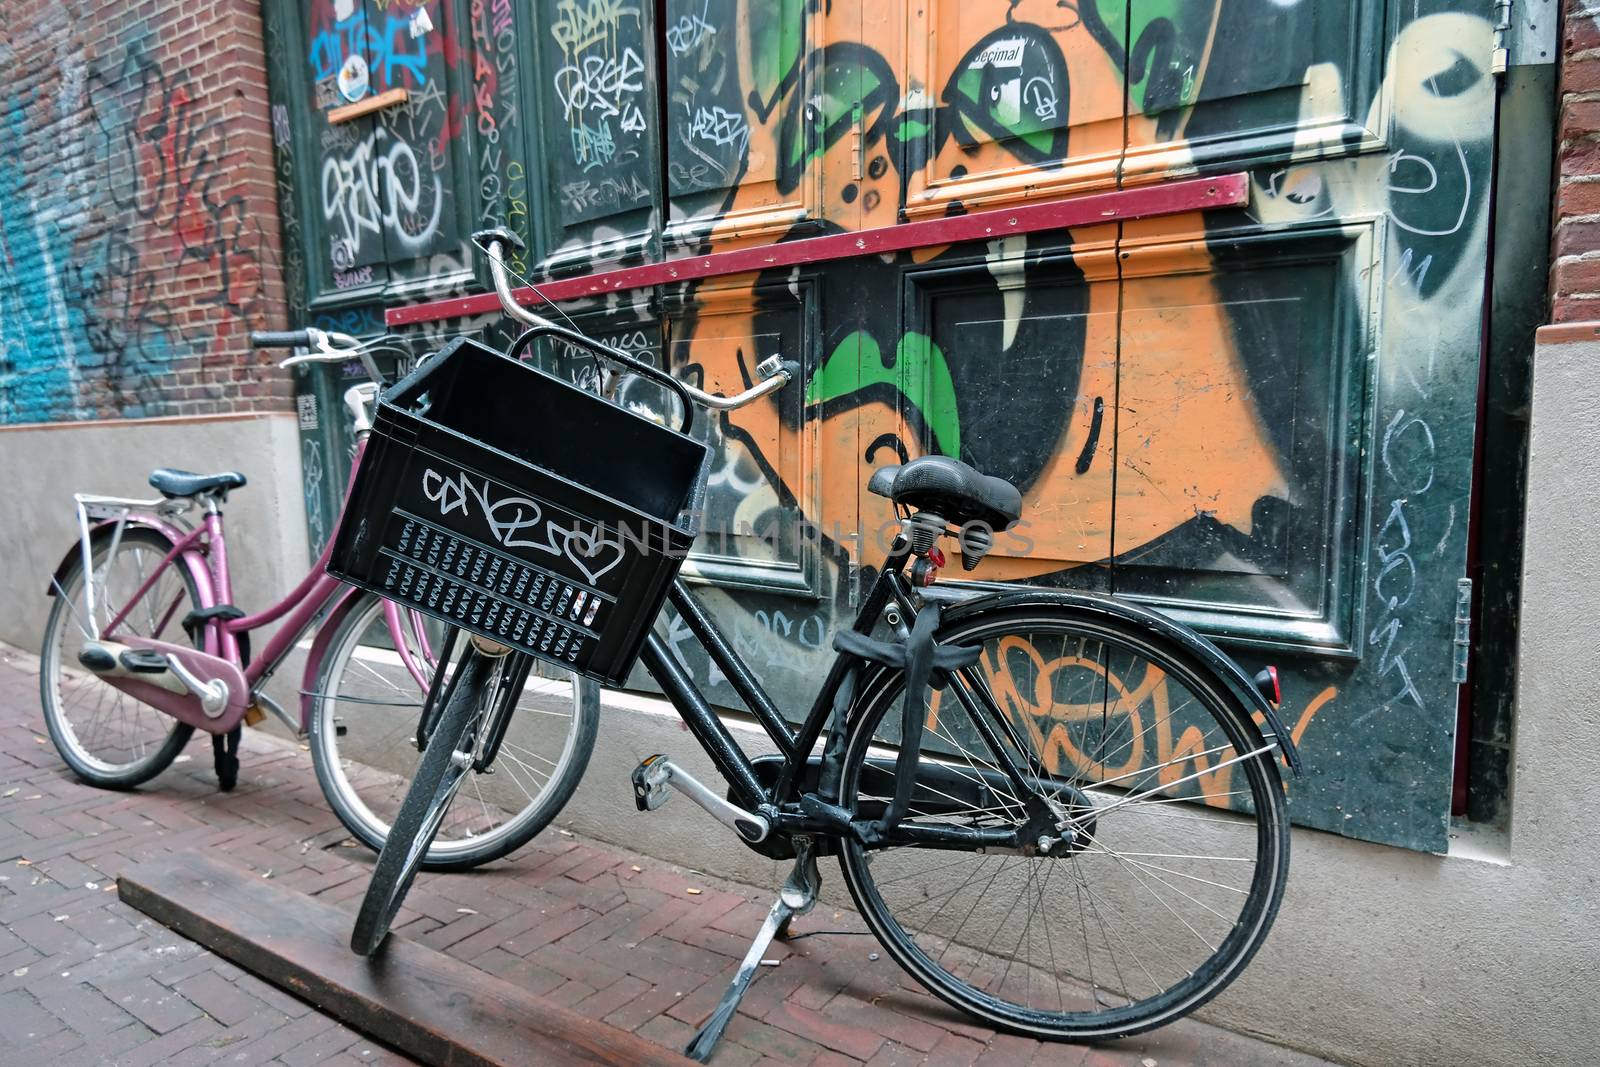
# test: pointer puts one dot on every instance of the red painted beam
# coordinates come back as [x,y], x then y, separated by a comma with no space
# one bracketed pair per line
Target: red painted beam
[1167,198]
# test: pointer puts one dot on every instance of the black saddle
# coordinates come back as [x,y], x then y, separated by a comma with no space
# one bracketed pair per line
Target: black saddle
[952,489]
[175,483]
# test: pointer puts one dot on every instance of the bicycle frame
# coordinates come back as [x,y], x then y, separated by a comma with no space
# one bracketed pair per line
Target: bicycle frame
[781,802]
[203,552]
[792,811]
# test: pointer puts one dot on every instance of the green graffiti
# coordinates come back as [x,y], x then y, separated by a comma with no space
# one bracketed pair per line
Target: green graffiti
[911,130]
[847,89]
[919,374]
[777,43]
[1165,43]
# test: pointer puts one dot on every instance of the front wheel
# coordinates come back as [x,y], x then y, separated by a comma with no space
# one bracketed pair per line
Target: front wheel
[1173,843]
[364,715]
[446,762]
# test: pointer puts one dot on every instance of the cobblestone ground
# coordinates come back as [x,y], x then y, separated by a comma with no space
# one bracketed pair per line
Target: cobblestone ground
[643,945]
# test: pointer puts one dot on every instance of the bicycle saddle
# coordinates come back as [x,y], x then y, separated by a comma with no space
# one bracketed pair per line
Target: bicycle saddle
[175,483]
[951,489]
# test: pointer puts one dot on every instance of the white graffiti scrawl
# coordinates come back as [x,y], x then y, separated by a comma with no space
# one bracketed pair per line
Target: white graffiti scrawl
[378,188]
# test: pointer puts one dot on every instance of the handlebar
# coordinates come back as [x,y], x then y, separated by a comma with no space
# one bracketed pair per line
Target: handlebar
[329,346]
[546,328]
[280,338]
[776,371]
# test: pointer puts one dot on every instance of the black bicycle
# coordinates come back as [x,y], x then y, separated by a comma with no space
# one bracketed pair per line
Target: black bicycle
[1061,812]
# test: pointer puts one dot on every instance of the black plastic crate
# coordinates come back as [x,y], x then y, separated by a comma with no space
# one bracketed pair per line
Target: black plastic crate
[519,507]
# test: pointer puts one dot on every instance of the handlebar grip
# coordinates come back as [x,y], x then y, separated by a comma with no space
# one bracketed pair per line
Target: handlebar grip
[280,339]
[503,234]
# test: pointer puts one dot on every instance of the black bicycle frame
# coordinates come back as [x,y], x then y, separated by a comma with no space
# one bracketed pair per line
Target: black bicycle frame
[795,747]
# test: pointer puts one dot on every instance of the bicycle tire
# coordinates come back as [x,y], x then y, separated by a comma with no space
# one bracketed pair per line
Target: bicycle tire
[60,624]
[1000,1006]
[438,777]
[351,797]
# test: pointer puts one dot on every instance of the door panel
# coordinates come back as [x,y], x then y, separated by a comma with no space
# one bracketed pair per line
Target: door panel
[596,84]
[1240,444]
[387,182]
[1340,315]
[1242,81]
[1019,105]
[1009,362]
[742,118]
[763,483]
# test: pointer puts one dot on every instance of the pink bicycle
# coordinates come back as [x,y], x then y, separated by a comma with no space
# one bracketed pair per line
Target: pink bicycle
[151,647]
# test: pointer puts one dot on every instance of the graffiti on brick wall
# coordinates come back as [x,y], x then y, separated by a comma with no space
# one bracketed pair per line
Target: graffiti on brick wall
[133,258]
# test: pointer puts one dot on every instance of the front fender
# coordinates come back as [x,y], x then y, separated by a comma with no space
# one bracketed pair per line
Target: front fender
[343,604]
[1186,639]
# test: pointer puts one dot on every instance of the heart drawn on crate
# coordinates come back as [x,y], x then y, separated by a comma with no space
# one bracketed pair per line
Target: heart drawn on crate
[591,553]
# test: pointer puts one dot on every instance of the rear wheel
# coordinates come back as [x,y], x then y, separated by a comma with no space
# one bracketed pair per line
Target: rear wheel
[107,737]
[1175,837]
[364,717]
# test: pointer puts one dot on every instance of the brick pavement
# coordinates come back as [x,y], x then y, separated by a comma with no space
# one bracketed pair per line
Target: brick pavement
[616,936]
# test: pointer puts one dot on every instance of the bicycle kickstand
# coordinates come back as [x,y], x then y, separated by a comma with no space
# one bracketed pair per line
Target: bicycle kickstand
[798,896]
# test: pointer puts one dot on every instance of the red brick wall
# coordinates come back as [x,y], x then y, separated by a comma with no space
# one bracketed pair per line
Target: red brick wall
[1575,240]
[138,213]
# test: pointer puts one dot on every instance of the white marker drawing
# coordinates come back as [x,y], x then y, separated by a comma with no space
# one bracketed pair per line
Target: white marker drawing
[510,518]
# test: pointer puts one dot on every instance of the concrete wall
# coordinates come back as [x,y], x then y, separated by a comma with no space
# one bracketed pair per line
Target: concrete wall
[1487,956]
[46,463]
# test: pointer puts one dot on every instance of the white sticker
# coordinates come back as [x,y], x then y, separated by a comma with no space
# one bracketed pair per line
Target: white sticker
[420,22]
[353,79]
[1004,53]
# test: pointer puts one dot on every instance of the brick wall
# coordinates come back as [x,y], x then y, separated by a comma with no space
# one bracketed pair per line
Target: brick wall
[138,214]
[1575,242]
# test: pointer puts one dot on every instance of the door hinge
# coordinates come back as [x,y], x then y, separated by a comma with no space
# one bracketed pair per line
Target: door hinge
[858,145]
[1463,631]
[1500,53]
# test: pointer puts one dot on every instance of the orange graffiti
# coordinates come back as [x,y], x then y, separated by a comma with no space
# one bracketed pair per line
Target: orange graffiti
[1053,701]
[1162,426]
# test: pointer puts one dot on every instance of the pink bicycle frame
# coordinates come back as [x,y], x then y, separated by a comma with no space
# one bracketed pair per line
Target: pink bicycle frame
[203,552]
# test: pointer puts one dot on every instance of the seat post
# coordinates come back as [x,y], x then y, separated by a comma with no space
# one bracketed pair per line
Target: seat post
[221,579]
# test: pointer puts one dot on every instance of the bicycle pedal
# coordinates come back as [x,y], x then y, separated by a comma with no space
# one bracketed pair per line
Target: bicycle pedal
[650,778]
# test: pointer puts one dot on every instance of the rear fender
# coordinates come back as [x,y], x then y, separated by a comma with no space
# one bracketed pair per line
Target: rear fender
[192,559]
[1186,640]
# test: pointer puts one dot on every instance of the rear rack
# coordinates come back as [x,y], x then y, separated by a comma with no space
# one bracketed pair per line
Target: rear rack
[92,507]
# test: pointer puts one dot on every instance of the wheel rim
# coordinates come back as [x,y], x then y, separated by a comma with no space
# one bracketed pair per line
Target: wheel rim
[1055,946]
[369,693]
[103,728]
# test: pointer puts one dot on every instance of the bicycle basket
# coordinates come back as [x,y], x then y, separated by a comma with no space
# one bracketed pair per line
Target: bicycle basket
[524,509]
